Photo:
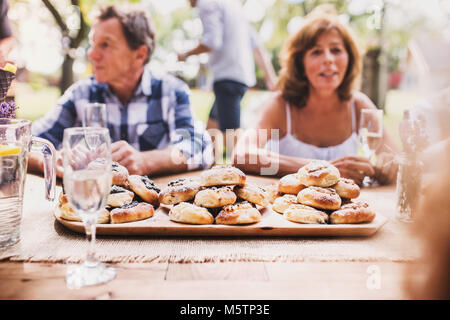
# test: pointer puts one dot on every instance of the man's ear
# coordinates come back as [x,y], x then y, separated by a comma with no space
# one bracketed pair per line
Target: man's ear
[141,53]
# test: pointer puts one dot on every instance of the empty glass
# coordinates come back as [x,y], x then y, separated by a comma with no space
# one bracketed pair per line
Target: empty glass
[94,115]
[370,135]
[87,183]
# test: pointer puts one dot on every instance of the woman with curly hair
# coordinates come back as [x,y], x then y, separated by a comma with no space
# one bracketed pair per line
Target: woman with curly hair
[315,112]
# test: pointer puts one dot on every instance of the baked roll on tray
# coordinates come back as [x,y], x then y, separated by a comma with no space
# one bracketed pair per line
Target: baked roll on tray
[239,213]
[222,175]
[133,211]
[318,173]
[326,199]
[190,213]
[178,191]
[145,189]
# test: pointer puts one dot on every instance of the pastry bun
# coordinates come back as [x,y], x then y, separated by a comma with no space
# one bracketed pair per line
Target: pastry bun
[215,197]
[355,212]
[290,184]
[222,175]
[282,203]
[347,188]
[190,213]
[178,191]
[318,173]
[145,188]
[253,193]
[238,213]
[321,198]
[305,214]
[133,211]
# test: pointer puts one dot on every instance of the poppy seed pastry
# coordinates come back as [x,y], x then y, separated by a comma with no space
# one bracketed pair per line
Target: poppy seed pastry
[282,203]
[347,188]
[354,212]
[318,173]
[119,196]
[223,175]
[190,213]
[145,189]
[120,175]
[180,190]
[321,198]
[215,197]
[133,211]
[253,193]
[68,213]
[238,213]
[305,214]
[290,184]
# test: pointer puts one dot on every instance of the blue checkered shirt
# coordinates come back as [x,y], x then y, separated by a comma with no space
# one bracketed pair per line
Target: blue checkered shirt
[157,116]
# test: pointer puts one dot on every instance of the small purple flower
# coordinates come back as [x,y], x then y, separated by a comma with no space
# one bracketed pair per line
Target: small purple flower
[8,110]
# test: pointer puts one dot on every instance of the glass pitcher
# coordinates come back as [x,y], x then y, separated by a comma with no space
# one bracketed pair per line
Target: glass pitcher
[15,143]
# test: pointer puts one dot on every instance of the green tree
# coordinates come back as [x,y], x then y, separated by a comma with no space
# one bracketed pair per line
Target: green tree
[74,30]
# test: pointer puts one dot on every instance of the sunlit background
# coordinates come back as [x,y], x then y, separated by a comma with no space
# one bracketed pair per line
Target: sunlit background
[406,46]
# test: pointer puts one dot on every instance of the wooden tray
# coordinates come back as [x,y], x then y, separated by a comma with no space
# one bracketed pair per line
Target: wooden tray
[271,224]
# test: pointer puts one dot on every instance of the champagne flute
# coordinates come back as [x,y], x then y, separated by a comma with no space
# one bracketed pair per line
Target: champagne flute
[94,115]
[87,182]
[370,135]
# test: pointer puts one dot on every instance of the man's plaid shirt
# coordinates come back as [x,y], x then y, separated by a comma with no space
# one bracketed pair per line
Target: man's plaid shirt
[157,116]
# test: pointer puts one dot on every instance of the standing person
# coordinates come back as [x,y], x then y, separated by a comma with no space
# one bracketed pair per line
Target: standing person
[148,116]
[6,36]
[316,110]
[232,44]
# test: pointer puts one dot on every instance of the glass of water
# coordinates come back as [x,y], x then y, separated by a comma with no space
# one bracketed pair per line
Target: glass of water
[87,181]
[94,115]
[370,135]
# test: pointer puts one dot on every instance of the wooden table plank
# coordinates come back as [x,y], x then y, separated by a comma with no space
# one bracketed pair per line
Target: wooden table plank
[307,280]
[245,271]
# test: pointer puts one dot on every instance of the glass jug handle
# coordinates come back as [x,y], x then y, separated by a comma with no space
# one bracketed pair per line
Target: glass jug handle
[48,151]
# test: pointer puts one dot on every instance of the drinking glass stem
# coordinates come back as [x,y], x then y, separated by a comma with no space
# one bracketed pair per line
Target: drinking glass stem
[90,228]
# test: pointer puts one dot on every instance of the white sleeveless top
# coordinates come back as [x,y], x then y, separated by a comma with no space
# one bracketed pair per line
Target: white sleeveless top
[291,146]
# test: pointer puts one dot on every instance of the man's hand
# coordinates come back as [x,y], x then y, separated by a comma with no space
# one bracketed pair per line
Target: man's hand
[129,157]
[355,168]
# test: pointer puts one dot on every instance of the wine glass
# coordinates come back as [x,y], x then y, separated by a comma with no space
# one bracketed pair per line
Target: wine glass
[94,115]
[370,135]
[87,182]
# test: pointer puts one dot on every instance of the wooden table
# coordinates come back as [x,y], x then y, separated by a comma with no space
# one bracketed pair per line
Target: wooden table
[221,280]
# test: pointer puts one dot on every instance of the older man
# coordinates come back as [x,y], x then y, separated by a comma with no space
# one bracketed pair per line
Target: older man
[148,117]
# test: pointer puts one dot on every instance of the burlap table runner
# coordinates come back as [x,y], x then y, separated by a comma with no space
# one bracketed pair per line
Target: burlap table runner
[43,239]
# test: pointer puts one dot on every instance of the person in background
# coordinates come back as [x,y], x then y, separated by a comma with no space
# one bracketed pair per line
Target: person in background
[233,47]
[428,277]
[6,36]
[316,110]
[148,116]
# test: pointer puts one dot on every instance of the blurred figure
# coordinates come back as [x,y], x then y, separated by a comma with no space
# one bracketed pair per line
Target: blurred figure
[148,116]
[231,43]
[435,114]
[6,37]
[429,278]
[316,110]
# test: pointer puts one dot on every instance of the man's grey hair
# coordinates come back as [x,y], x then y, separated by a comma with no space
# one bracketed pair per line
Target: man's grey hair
[136,26]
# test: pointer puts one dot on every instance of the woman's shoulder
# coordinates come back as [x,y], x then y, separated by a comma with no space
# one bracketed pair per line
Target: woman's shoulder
[273,112]
[362,101]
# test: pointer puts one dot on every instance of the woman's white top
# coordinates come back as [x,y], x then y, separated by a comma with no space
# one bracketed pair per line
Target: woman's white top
[291,146]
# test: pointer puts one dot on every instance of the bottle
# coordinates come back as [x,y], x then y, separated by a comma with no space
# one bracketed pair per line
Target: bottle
[410,168]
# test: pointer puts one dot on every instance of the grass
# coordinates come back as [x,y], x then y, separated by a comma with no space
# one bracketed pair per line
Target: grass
[34,104]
